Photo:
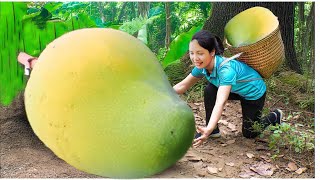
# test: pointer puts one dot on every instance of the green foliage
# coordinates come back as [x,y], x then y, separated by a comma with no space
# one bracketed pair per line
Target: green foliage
[289,88]
[138,25]
[189,14]
[161,53]
[179,46]
[156,31]
[28,33]
[257,127]
[175,72]
[287,136]
[183,17]
[195,93]
[11,74]
[133,26]
[303,36]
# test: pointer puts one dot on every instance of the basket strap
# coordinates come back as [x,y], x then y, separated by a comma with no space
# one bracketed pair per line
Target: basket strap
[234,57]
[230,58]
[248,80]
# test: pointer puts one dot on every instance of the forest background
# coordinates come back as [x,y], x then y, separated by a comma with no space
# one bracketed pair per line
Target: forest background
[166,28]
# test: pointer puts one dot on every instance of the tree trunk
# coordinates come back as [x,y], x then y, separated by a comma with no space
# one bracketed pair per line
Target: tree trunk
[311,27]
[311,31]
[168,24]
[143,9]
[223,11]
[101,9]
[302,29]
[133,9]
[122,11]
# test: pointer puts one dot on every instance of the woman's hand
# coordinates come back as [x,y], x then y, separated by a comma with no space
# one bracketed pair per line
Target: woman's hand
[205,133]
[185,84]
[222,97]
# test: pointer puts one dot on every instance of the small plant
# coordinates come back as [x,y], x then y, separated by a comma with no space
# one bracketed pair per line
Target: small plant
[195,93]
[286,136]
[271,84]
[257,127]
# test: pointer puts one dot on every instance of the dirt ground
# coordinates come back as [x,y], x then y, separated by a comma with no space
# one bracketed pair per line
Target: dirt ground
[23,155]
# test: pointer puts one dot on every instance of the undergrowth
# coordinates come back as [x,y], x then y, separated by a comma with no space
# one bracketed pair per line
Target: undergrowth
[287,136]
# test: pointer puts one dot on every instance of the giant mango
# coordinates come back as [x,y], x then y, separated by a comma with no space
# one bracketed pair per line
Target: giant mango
[250,26]
[99,99]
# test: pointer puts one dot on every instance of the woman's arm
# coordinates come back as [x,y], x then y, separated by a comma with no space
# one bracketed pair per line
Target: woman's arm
[185,84]
[222,97]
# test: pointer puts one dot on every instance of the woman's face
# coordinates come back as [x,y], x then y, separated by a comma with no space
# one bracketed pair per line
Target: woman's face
[200,56]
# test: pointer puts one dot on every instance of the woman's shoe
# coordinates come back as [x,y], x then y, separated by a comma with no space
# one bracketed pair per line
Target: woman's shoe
[279,116]
[215,134]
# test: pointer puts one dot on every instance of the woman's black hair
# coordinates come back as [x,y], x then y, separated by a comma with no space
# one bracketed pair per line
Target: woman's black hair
[209,41]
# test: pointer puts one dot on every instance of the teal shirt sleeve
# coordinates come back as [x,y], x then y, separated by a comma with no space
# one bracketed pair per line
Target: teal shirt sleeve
[227,76]
[196,72]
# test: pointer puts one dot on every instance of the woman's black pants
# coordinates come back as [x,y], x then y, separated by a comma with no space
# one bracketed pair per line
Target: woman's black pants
[251,111]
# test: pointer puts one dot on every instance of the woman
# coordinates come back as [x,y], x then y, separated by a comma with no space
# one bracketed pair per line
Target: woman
[233,80]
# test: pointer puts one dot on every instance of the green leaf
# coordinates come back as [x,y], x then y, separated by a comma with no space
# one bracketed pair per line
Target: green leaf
[52,6]
[115,26]
[134,25]
[179,46]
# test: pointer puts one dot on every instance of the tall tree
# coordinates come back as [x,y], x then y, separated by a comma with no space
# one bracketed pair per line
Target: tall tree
[122,11]
[311,25]
[143,9]
[310,36]
[101,11]
[168,24]
[223,11]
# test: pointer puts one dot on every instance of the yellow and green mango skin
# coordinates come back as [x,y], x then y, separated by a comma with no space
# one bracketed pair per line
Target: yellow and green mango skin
[99,99]
[250,26]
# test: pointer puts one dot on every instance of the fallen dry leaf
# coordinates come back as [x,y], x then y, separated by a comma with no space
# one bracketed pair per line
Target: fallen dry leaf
[197,116]
[246,174]
[250,155]
[200,174]
[232,127]
[296,117]
[193,158]
[292,166]
[224,122]
[300,125]
[212,170]
[231,141]
[193,106]
[301,170]
[261,148]
[230,164]
[265,158]
[263,169]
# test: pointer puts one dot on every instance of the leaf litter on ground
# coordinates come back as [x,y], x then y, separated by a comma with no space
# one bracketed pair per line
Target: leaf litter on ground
[232,127]
[301,170]
[230,164]
[292,166]
[263,169]
[212,170]
[250,155]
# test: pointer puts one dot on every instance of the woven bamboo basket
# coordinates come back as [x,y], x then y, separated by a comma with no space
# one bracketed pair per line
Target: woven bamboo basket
[265,56]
